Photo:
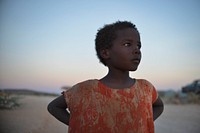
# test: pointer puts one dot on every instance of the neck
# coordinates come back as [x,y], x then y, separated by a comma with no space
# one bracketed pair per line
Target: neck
[117,79]
[119,76]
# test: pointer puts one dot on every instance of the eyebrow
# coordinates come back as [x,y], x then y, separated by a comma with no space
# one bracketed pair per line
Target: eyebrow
[139,42]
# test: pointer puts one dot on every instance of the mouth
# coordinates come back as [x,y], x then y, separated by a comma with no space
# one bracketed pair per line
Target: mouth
[137,61]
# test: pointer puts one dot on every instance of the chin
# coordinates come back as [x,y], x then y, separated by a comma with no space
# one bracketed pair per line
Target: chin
[133,69]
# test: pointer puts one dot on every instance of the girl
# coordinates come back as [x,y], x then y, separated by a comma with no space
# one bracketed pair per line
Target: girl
[115,103]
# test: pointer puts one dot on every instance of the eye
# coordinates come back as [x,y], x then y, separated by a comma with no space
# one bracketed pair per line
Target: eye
[127,44]
[139,46]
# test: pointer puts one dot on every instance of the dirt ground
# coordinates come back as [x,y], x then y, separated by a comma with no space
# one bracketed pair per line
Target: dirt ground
[179,119]
[32,117]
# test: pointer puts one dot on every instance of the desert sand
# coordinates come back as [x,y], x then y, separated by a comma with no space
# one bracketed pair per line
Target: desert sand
[32,117]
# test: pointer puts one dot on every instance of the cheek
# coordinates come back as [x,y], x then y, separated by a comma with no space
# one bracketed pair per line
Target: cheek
[120,60]
[120,56]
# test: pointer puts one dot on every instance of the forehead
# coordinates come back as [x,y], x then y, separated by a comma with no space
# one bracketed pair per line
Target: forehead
[127,33]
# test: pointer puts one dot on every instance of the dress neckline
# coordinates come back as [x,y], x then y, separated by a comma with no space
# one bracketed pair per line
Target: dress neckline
[126,88]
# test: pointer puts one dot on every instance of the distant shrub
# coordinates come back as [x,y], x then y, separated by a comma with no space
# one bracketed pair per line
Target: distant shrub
[193,98]
[7,101]
[173,97]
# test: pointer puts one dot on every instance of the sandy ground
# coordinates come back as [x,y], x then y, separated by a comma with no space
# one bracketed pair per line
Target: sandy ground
[179,119]
[32,117]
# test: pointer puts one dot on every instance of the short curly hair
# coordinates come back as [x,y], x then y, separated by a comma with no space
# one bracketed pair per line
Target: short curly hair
[106,35]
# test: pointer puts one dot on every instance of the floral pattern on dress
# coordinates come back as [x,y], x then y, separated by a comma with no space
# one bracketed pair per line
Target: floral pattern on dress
[96,108]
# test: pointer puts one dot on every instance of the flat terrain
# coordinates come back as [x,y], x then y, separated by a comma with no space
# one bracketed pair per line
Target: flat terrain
[179,119]
[32,117]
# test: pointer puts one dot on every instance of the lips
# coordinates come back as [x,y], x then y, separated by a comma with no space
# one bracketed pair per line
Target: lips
[137,60]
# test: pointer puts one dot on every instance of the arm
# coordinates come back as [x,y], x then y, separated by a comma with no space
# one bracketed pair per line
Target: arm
[57,108]
[158,108]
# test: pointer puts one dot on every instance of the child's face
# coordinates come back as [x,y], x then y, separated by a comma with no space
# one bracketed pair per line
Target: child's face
[125,52]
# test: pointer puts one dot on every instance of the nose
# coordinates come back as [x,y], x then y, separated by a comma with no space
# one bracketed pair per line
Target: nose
[136,51]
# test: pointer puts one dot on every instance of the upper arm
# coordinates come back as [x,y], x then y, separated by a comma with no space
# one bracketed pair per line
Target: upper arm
[158,103]
[158,108]
[59,102]
[57,108]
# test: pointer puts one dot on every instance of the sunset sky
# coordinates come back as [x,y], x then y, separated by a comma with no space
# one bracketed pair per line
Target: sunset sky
[47,44]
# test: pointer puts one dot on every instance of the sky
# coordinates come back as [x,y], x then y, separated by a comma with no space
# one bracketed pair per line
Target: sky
[48,44]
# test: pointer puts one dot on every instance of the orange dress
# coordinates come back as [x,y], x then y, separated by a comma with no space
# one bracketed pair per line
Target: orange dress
[96,108]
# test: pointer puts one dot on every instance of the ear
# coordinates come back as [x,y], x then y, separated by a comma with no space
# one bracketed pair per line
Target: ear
[105,54]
